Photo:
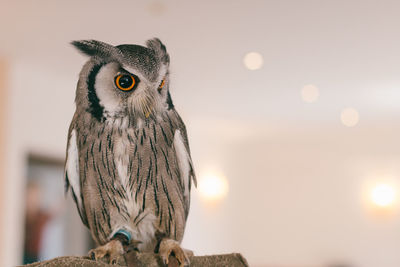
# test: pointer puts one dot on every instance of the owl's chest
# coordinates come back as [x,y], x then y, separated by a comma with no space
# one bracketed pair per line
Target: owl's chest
[121,174]
[139,159]
[125,156]
[129,160]
[134,177]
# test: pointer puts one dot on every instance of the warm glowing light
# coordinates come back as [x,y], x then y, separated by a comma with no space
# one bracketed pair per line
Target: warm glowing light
[213,186]
[383,195]
[253,61]
[310,93]
[349,117]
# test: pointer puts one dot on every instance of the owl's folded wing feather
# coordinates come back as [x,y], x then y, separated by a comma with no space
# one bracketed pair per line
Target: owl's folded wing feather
[185,163]
[72,179]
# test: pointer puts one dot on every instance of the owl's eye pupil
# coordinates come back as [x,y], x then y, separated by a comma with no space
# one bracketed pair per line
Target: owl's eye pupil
[125,82]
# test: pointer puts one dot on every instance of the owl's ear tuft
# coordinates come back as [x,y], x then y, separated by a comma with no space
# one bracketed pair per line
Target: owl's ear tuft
[159,48]
[93,47]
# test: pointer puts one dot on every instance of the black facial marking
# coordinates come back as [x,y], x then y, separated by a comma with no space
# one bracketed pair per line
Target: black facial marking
[94,103]
[169,101]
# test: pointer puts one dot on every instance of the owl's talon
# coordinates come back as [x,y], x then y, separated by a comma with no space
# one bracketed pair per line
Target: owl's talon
[113,249]
[169,246]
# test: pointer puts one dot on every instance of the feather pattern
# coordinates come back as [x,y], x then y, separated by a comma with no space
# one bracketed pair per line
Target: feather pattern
[129,175]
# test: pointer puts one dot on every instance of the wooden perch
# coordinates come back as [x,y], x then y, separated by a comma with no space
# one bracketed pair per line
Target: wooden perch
[145,259]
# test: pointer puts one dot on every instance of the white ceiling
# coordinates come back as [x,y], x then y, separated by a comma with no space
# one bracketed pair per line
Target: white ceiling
[349,49]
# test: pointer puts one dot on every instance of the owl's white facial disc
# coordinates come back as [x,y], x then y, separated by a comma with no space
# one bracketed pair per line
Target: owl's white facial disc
[106,91]
[109,99]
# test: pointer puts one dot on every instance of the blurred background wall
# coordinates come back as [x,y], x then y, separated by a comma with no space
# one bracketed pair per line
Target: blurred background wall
[3,125]
[296,147]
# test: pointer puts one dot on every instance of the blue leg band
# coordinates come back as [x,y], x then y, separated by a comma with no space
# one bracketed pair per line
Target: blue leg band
[125,233]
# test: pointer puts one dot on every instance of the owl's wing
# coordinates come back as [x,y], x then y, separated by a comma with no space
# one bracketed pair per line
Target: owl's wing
[72,179]
[181,145]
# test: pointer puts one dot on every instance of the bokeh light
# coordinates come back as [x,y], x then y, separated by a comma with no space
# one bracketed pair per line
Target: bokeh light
[310,93]
[383,195]
[349,117]
[253,61]
[213,186]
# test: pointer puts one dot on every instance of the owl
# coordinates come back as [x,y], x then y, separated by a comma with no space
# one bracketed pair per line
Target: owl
[128,162]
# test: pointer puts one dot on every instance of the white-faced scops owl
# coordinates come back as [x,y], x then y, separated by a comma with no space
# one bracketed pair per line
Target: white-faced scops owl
[128,160]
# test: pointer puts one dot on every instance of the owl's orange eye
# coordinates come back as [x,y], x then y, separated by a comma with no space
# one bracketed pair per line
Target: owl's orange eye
[161,84]
[125,82]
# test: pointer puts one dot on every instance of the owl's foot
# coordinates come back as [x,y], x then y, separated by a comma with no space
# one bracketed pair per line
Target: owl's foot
[169,246]
[111,250]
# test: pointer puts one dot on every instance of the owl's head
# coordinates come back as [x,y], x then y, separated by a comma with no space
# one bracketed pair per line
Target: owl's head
[123,81]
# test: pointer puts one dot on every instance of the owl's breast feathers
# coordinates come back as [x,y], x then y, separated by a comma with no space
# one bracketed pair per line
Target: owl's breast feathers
[136,178]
